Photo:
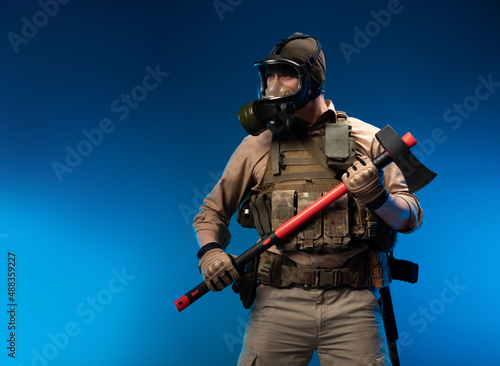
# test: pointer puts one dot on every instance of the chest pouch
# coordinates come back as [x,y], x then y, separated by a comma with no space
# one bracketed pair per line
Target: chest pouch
[339,145]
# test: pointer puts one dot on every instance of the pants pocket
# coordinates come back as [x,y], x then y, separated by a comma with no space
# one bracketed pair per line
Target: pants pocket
[247,359]
[370,298]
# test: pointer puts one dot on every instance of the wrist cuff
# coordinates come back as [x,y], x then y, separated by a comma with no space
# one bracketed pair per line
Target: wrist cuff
[206,248]
[378,202]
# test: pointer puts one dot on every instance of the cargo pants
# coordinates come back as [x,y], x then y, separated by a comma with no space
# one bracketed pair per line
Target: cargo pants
[343,325]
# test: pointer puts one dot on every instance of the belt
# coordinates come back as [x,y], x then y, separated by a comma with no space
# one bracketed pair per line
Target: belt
[273,272]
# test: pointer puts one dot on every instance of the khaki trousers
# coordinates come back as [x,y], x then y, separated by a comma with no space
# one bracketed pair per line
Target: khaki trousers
[343,325]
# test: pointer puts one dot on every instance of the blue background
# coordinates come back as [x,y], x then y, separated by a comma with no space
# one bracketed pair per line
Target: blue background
[105,248]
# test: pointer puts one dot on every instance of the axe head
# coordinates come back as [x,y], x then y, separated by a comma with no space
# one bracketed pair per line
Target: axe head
[417,176]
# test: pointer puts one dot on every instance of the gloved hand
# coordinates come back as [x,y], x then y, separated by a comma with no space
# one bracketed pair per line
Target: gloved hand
[365,181]
[217,269]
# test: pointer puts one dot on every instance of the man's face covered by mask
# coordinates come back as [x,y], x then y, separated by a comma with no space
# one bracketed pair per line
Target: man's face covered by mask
[280,80]
[290,77]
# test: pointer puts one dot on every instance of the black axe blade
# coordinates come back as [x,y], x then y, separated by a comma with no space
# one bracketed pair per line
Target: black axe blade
[417,176]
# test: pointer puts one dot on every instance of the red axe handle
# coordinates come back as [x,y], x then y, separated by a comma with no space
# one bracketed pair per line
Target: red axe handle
[287,228]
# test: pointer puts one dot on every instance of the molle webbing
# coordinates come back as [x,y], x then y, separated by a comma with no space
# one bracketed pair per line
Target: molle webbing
[369,268]
[290,161]
[299,176]
[312,147]
[298,161]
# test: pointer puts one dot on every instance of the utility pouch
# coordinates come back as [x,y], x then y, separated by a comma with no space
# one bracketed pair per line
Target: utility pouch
[246,285]
[255,213]
[336,224]
[363,222]
[337,141]
[310,234]
[283,208]
[403,270]
[378,268]
[339,146]
[260,208]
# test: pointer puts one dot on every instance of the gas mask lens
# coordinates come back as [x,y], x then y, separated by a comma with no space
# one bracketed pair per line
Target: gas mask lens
[278,81]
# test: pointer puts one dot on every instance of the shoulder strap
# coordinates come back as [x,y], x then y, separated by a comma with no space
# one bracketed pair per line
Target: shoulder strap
[312,147]
[275,154]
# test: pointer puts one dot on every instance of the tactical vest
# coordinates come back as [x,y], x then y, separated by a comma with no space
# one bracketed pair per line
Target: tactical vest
[297,174]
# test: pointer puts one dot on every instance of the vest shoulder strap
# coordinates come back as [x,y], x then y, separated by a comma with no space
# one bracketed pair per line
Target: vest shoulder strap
[312,147]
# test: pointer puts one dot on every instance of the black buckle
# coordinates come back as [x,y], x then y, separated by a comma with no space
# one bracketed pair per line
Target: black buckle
[327,278]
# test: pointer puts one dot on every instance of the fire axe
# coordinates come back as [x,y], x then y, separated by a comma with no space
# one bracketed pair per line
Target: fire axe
[417,176]
[397,150]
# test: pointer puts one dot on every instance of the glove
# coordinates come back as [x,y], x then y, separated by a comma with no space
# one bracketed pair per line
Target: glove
[217,269]
[365,181]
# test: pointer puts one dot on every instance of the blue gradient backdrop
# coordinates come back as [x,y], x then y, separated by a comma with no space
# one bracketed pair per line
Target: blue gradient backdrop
[103,240]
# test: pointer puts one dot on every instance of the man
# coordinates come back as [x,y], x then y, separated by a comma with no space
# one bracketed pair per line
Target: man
[318,289]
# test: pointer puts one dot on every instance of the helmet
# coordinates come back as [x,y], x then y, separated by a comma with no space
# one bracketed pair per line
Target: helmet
[299,56]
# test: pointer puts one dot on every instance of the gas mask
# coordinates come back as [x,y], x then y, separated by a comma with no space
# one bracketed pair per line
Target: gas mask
[285,86]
